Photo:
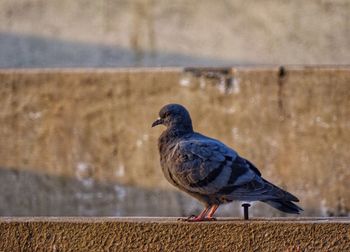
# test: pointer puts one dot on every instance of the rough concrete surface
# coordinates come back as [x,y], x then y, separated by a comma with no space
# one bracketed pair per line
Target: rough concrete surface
[79,142]
[65,33]
[148,234]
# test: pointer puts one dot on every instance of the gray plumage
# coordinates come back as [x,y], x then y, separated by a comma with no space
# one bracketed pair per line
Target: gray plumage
[209,170]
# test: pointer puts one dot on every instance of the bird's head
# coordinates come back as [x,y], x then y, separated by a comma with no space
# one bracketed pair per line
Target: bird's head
[174,116]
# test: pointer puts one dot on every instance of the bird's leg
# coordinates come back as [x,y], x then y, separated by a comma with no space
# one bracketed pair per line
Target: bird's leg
[205,215]
[211,212]
[200,217]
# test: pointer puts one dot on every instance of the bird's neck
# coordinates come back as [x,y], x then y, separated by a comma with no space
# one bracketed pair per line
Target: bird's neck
[172,134]
[178,130]
[182,126]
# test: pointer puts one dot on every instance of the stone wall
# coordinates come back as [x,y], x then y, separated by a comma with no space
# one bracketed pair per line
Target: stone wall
[81,33]
[80,142]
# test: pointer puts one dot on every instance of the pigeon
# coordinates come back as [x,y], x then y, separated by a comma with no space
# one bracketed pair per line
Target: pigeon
[209,170]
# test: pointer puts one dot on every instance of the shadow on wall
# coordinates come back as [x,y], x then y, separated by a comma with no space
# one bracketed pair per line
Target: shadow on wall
[25,193]
[27,51]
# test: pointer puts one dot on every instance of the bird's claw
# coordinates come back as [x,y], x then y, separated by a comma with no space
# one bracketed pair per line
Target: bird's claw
[188,218]
[194,218]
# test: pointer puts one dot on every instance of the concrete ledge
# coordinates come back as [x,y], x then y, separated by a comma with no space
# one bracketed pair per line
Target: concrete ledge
[169,234]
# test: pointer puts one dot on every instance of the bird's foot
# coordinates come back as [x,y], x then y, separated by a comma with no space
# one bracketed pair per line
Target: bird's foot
[188,218]
[194,218]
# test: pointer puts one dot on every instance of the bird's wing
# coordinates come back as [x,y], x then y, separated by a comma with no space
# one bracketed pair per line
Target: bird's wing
[256,188]
[206,166]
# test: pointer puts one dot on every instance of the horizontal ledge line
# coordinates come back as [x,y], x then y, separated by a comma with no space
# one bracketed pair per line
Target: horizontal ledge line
[162,220]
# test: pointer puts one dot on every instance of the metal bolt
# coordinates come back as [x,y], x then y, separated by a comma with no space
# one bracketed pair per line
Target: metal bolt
[246,212]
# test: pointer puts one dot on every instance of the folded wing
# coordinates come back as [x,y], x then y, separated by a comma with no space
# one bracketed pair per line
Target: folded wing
[207,166]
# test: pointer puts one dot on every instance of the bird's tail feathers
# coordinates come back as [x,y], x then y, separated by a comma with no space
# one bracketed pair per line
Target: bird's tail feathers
[284,206]
[286,195]
[282,200]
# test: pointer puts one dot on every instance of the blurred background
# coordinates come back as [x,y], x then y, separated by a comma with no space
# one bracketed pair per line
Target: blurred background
[120,33]
[76,140]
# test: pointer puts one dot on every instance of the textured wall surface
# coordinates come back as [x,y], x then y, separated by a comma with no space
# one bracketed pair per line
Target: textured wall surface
[107,234]
[65,33]
[81,143]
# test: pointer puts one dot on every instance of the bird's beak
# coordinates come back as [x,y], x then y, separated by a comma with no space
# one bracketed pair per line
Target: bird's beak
[157,122]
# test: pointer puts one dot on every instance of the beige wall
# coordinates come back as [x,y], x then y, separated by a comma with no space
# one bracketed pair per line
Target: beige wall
[64,33]
[80,142]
